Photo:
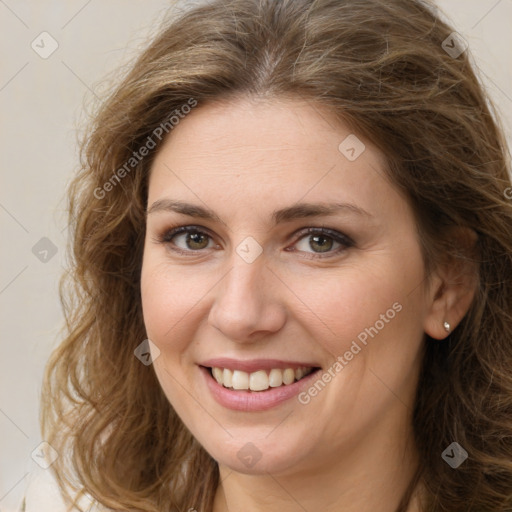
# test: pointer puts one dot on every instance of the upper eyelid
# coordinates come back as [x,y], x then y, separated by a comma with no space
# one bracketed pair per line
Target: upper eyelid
[302,231]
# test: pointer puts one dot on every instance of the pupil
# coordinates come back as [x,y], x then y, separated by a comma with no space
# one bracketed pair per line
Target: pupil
[320,240]
[194,240]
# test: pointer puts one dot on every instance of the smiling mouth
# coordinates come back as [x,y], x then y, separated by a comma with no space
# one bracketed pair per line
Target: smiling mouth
[260,380]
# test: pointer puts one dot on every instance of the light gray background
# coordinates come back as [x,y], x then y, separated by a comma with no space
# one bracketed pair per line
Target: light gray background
[42,106]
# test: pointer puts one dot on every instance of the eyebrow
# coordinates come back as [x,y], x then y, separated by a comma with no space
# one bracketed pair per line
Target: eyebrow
[297,211]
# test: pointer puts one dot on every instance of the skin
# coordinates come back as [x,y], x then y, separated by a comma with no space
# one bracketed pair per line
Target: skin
[350,448]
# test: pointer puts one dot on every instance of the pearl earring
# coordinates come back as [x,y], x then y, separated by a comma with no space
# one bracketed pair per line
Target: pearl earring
[447,327]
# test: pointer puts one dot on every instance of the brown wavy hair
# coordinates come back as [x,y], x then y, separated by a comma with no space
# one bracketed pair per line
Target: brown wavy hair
[380,67]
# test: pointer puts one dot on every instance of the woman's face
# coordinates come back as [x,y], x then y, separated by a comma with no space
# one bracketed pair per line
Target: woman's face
[299,253]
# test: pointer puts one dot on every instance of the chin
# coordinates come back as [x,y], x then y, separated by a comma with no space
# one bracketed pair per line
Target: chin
[259,457]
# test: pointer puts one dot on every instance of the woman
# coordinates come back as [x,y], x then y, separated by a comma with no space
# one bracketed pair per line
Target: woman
[293,261]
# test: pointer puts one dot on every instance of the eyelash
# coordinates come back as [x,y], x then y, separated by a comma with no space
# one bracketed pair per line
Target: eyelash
[345,241]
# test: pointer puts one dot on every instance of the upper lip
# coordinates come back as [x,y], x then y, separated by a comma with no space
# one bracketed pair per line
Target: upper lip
[252,365]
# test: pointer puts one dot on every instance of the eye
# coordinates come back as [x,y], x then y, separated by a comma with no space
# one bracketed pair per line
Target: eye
[319,241]
[185,239]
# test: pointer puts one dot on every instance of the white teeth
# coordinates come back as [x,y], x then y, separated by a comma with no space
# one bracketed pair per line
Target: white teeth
[259,380]
[217,373]
[227,377]
[275,378]
[240,380]
[288,376]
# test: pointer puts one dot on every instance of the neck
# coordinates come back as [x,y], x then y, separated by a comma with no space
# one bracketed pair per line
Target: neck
[373,476]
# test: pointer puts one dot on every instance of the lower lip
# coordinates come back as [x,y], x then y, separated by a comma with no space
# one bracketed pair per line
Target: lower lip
[249,401]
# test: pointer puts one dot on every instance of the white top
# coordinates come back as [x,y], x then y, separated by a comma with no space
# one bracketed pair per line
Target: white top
[43,495]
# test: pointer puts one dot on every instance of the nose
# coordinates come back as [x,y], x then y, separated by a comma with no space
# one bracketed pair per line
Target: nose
[247,305]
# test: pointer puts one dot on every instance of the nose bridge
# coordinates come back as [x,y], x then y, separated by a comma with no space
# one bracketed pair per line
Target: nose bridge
[248,268]
[243,288]
[244,302]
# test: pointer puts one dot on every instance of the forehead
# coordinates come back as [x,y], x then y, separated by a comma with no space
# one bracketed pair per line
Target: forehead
[257,152]
[267,126]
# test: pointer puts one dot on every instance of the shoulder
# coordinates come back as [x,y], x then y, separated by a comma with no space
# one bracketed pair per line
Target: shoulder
[42,494]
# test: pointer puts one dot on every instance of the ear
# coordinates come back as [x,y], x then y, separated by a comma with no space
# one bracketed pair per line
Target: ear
[452,286]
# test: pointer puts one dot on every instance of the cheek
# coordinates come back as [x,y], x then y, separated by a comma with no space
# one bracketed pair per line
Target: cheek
[359,302]
[377,319]
[172,298]
[158,304]
[168,301]
[369,322]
